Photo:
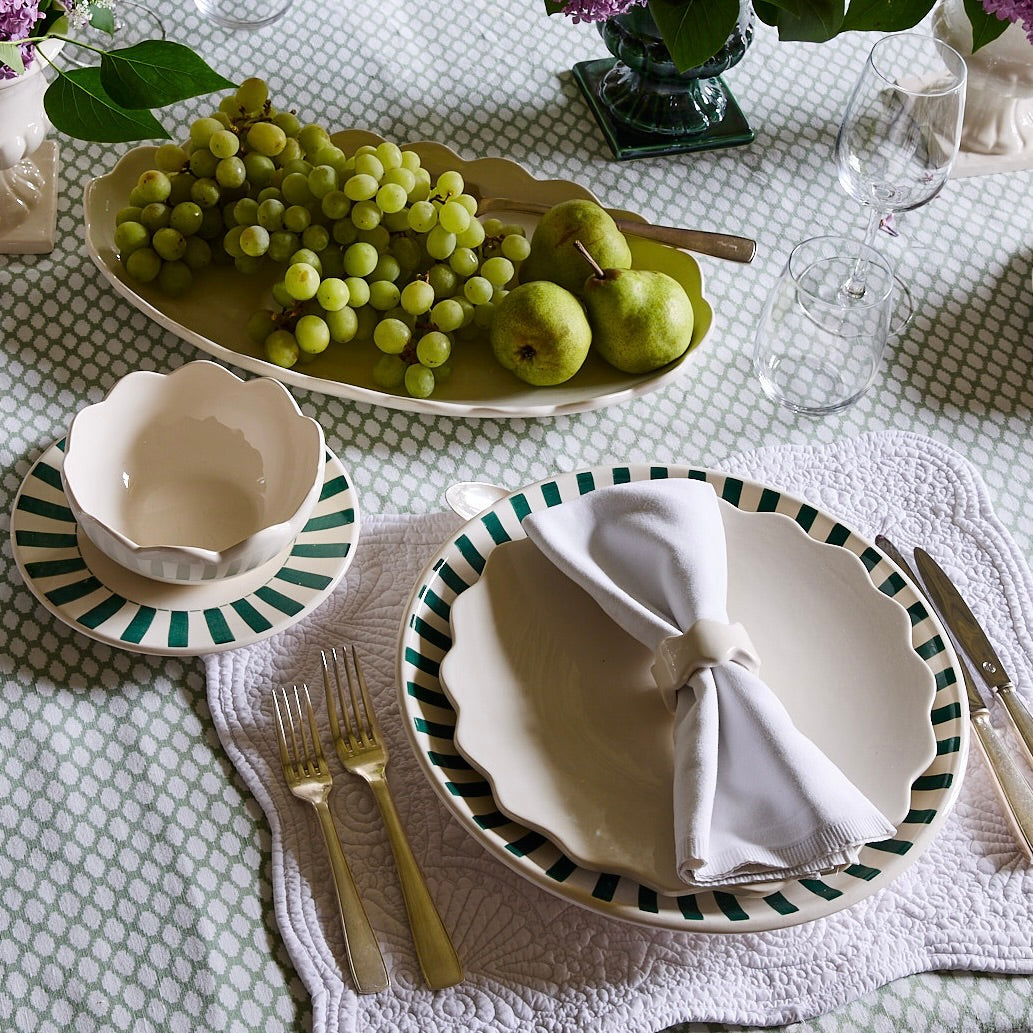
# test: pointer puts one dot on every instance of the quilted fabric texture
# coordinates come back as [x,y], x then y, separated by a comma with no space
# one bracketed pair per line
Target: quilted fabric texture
[535,961]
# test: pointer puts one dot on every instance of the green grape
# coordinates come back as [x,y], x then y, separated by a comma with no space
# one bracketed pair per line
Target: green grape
[360,259]
[343,324]
[335,205]
[449,184]
[288,168]
[136,197]
[333,294]
[175,278]
[281,297]
[464,261]
[423,216]
[211,223]
[288,122]
[322,179]
[443,279]
[478,290]
[453,217]
[230,172]
[389,372]
[344,232]
[468,201]
[154,185]
[169,243]
[396,222]
[245,212]
[442,372]
[493,227]
[515,246]
[332,156]
[312,334]
[267,138]
[297,218]
[131,213]
[249,265]
[483,315]
[378,237]
[417,297]
[281,348]
[291,152]
[309,257]
[270,213]
[260,325]
[361,187]
[367,318]
[129,237]
[295,189]
[390,155]
[315,237]
[498,271]
[401,177]
[433,348]
[282,244]
[411,161]
[231,242]
[312,138]
[224,120]
[407,251]
[392,197]
[261,171]
[252,94]
[198,253]
[201,130]
[170,157]
[472,236]
[440,243]
[369,164]
[203,163]
[384,295]
[391,336]
[180,192]
[254,241]
[358,291]
[366,215]
[387,268]
[419,381]
[331,261]
[301,281]
[186,217]
[155,215]
[468,309]
[143,264]
[224,143]
[447,315]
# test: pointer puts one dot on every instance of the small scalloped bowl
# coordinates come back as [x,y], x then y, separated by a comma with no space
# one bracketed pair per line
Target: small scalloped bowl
[194,475]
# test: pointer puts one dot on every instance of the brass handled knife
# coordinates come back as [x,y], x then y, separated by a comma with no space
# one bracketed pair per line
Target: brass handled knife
[1015,791]
[973,641]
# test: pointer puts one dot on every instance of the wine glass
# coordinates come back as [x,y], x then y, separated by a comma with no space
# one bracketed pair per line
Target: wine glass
[899,137]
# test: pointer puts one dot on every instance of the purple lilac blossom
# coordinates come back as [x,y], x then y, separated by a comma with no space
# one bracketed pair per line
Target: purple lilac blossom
[1020,11]
[17,17]
[595,10]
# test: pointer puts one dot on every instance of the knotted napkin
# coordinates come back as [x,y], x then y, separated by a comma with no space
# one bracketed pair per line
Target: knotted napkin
[754,799]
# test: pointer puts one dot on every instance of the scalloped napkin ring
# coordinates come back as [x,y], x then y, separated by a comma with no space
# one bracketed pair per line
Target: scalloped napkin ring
[708,643]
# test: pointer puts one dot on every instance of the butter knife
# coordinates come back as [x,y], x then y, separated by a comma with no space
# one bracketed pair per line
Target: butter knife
[973,641]
[1014,790]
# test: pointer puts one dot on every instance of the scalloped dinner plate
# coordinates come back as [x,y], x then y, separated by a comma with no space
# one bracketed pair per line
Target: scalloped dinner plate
[536,721]
[213,314]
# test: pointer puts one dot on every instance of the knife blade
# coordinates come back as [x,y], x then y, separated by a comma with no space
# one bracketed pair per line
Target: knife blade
[974,643]
[1012,786]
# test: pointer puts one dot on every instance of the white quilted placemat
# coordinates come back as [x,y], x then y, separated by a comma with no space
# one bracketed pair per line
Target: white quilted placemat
[535,961]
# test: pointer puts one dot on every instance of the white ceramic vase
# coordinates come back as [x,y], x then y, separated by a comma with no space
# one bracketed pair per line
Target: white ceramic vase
[998,129]
[23,127]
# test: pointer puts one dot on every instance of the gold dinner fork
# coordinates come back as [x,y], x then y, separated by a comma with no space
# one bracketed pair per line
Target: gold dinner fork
[308,777]
[361,749]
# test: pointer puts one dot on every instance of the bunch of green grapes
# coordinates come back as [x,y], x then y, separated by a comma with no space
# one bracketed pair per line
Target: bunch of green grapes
[374,247]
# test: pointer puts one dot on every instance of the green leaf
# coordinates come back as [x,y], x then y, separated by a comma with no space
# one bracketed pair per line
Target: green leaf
[157,72]
[103,19]
[885,15]
[812,21]
[986,27]
[11,55]
[694,30]
[554,6]
[79,106]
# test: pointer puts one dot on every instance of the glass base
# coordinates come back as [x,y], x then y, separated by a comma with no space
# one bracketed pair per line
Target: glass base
[732,130]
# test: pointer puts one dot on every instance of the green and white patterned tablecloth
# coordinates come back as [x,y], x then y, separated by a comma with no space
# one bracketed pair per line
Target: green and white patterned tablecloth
[151,910]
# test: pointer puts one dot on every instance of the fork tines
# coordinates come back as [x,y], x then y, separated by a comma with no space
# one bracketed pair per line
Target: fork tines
[364,731]
[305,752]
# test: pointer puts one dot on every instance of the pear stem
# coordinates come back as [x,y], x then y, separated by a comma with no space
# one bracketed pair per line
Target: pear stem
[596,267]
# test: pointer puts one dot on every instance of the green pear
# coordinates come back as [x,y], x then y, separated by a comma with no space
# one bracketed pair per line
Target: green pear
[641,319]
[541,333]
[553,255]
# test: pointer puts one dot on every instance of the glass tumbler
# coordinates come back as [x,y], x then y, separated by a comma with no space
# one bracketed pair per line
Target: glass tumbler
[818,345]
[243,14]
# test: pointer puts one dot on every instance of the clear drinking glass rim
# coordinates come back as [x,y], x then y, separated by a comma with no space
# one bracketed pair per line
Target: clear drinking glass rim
[848,249]
[960,71]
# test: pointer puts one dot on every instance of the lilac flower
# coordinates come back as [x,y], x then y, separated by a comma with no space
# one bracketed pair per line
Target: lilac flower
[1019,11]
[17,17]
[595,10]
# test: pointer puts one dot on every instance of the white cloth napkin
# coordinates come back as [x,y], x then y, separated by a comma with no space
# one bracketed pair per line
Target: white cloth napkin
[536,961]
[754,799]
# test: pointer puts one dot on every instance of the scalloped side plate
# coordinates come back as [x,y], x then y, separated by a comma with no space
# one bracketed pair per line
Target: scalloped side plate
[212,316]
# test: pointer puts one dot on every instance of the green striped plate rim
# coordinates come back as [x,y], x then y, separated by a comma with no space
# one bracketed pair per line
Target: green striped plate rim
[430,723]
[45,540]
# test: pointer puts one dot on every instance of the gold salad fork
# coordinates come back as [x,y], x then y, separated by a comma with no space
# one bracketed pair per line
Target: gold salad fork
[308,777]
[361,749]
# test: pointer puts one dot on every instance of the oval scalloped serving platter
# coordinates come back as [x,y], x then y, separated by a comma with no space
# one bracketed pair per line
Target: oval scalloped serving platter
[213,314]
[919,788]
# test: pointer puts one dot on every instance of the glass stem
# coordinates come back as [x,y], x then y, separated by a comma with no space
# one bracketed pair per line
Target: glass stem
[855,285]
